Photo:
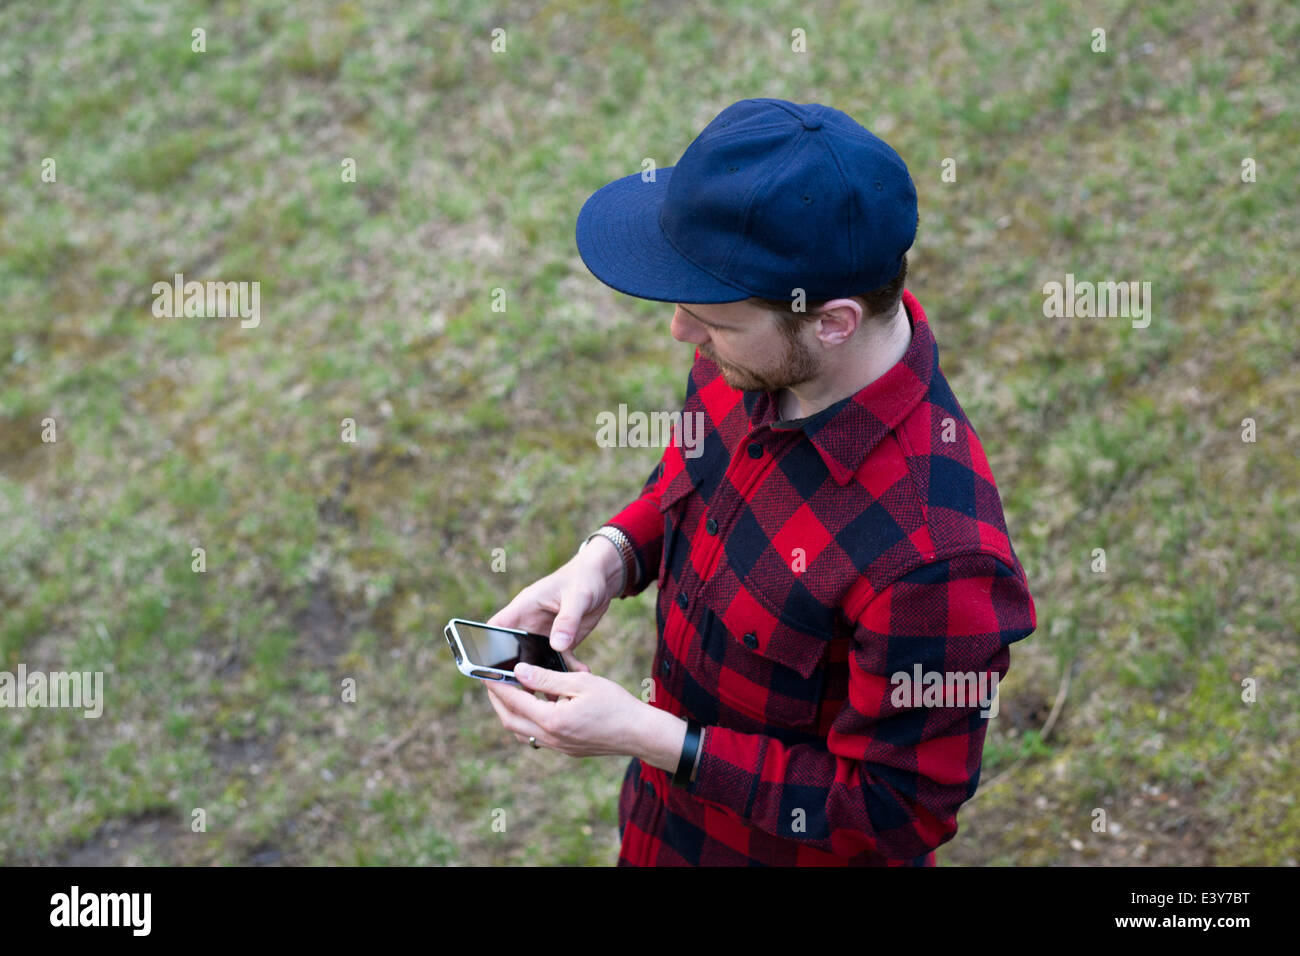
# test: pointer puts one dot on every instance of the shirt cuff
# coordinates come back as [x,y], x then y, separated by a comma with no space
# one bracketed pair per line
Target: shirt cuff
[643,523]
[729,767]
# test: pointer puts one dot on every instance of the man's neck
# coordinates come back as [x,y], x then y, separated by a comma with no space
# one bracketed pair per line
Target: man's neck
[882,350]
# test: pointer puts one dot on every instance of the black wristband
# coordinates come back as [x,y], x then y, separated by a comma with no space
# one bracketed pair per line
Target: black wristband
[690,753]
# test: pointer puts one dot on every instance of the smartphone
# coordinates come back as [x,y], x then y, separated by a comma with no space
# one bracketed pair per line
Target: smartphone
[491,653]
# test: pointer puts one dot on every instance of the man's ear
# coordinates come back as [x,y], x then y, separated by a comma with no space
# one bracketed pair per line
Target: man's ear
[839,318]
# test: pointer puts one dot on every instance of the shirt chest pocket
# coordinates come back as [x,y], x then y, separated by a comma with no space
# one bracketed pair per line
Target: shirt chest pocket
[764,666]
[677,498]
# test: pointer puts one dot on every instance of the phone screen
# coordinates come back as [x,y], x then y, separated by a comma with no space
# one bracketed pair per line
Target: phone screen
[491,647]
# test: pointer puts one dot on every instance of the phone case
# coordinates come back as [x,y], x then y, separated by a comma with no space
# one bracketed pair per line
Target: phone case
[480,671]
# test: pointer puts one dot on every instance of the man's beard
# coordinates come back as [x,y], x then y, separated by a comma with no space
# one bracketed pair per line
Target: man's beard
[796,367]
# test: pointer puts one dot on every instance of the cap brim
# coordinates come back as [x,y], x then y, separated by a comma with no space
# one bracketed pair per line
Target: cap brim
[620,241]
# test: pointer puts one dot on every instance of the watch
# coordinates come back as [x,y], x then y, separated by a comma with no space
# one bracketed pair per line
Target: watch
[631,563]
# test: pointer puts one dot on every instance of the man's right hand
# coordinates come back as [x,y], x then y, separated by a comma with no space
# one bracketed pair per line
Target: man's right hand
[567,603]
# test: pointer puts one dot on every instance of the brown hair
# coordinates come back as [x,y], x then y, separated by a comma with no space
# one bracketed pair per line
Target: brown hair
[878,303]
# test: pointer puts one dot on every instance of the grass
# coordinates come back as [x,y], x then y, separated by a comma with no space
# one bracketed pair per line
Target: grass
[328,560]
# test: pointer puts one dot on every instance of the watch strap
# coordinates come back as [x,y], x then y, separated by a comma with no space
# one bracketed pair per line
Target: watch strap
[690,753]
[631,563]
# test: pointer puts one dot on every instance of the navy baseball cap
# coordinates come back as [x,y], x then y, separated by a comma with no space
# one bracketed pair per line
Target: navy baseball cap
[770,197]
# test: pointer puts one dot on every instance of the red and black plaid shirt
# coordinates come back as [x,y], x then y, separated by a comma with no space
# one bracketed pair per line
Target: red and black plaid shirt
[801,565]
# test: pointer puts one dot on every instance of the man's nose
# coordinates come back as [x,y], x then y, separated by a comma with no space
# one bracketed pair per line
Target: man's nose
[686,329]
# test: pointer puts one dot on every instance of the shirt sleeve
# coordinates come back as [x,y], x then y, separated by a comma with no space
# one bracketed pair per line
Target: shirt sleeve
[891,774]
[643,523]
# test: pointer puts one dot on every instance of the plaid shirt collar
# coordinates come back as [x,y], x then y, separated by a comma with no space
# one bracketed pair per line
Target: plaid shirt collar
[845,432]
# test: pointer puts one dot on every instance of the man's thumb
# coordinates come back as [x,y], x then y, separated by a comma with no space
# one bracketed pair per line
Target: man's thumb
[535,678]
[564,628]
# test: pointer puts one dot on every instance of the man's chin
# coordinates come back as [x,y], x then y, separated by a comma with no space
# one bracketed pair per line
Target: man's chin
[741,384]
[745,385]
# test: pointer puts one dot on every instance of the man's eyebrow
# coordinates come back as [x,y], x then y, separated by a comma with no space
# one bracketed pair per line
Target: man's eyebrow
[702,319]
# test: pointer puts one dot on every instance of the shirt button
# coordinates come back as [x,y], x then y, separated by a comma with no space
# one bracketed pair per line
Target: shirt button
[667,666]
[682,600]
[711,526]
[755,450]
[751,641]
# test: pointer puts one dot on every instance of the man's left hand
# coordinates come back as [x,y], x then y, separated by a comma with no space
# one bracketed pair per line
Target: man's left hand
[584,715]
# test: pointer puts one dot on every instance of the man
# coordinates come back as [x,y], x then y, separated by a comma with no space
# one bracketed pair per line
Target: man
[836,546]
